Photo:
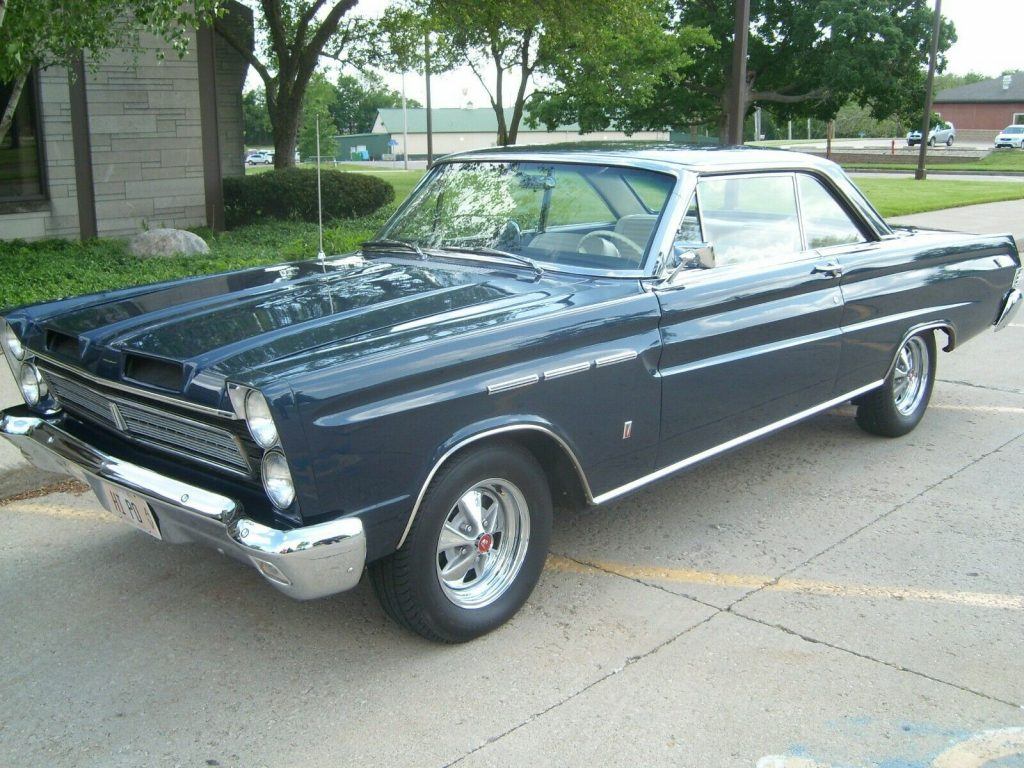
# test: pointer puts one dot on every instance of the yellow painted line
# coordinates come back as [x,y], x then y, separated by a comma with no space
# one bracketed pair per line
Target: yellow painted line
[982,408]
[799,586]
[58,512]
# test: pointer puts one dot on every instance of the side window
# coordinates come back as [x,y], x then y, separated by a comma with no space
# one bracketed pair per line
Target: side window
[825,221]
[749,219]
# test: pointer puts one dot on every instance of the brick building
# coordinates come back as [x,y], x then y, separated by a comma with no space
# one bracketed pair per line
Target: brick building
[980,110]
[136,142]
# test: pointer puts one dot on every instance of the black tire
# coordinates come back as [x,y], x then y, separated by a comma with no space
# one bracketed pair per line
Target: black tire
[949,142]
[931,142]
[408,583]
[882,412]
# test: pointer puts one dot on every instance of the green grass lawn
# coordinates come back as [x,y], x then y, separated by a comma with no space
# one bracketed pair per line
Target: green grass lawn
[1001,160]
[898,197]
[49,269]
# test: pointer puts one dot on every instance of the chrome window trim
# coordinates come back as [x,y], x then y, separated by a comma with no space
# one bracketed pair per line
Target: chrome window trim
[145,394]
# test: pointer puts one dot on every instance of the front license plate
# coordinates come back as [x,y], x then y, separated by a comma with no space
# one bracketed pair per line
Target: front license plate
[131,508]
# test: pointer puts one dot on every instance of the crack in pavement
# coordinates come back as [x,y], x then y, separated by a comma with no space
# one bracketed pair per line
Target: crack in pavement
[630,661]
[867,657]
[972,385]
[731,609]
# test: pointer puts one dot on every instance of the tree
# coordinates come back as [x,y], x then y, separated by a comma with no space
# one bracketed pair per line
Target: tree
[43,33]
[298,33]
[360,97]
[256,119]
[809,57]
[611,48]
[321,98]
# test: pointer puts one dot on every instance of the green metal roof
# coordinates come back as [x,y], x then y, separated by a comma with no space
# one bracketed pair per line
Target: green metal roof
[453,120]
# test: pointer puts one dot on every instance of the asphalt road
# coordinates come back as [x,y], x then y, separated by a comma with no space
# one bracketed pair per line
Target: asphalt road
[819,598]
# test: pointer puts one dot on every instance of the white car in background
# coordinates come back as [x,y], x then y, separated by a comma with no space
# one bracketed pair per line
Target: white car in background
[943,133]
[260,158]
[1011,136]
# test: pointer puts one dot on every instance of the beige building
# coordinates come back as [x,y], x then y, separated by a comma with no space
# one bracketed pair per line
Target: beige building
[457,130]
[136,142]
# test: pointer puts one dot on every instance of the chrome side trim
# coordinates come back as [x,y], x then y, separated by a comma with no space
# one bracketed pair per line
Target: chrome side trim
[134,390]
[736,441]
[567,370]
[618,357]
[505,386]
[750,352]
[483,435]
[900,316]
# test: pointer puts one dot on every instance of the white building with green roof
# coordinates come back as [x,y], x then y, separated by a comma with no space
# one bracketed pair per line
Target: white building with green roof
[456,130]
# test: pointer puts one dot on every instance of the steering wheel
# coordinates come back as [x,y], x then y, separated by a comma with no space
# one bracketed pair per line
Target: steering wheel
[624,247]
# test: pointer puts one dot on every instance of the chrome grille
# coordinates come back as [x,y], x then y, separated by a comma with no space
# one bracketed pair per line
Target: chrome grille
[166,431]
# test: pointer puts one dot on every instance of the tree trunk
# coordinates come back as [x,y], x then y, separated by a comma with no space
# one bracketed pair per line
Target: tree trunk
[286,135]
[12,104]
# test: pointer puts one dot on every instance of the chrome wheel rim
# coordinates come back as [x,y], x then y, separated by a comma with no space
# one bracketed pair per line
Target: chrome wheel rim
[910,376]
[483,543]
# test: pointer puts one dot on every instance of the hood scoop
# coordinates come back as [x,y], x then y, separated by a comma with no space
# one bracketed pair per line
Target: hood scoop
[163,374]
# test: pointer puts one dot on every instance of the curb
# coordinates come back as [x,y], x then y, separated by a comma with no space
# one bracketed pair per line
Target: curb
[854,169]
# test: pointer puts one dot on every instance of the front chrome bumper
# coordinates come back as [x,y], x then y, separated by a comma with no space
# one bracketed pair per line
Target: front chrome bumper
[304,563]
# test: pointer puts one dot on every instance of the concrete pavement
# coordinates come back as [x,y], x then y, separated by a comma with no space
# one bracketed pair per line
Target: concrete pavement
[819,598]
[985,219]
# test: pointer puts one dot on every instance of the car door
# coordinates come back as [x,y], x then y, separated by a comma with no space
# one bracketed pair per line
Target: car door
[754,339]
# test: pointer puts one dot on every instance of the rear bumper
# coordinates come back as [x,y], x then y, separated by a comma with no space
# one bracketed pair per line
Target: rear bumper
[1011,306]
[304,563]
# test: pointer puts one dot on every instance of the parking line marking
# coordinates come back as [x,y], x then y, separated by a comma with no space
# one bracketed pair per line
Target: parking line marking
[61,513]
[799,586]
[980,408]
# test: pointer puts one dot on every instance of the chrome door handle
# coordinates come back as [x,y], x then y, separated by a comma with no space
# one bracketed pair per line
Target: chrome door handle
[828,269]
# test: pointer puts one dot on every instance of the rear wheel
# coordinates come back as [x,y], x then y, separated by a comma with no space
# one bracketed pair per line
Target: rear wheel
[476,548]
[949,142]
[896,407]
[931,142]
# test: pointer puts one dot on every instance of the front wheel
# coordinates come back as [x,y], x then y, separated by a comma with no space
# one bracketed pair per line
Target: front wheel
[896,407]
[949,142]
[476,548]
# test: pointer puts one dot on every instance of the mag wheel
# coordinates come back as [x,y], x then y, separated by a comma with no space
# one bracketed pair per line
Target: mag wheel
[896,407]
[476,547]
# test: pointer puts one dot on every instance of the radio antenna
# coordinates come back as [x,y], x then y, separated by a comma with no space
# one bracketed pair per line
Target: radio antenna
[319,196]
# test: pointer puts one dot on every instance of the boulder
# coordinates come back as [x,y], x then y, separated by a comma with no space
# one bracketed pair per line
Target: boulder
[167,242]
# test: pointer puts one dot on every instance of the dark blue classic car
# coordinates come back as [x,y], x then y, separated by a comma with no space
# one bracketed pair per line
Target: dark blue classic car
[533,328]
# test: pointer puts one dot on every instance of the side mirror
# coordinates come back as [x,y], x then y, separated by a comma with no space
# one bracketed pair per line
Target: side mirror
[687,256]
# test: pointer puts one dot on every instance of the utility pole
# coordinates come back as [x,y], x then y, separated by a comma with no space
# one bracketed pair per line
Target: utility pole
[405,127]
[430,125]
[926,122]
[738,94]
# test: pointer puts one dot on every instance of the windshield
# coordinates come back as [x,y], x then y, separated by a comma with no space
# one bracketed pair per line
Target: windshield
[565,215]
[1014,129]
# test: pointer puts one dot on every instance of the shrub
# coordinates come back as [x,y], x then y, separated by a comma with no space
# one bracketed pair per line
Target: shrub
[290,194]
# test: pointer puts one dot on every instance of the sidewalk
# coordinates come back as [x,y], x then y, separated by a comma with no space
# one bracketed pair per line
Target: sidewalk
[989,218]
[984,219]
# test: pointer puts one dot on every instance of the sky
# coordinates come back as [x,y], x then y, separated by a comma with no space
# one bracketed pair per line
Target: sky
[989,41]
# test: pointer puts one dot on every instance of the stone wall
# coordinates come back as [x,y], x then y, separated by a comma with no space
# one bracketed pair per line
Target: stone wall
[57,217]
[146,136]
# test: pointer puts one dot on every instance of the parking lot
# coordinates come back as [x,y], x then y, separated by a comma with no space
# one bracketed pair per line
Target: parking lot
[819,598]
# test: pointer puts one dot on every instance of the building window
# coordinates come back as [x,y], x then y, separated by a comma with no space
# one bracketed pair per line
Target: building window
[21,151]
[1018,118]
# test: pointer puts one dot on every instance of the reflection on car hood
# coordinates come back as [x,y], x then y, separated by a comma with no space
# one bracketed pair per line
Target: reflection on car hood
[215,327]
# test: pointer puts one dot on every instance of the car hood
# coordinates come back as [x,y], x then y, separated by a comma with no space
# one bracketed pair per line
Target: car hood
[191,336]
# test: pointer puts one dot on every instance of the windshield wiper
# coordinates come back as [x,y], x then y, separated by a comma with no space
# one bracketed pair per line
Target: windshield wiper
[392,243]
[481,250]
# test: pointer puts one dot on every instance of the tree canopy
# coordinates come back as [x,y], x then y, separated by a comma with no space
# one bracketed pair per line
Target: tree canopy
[359,98]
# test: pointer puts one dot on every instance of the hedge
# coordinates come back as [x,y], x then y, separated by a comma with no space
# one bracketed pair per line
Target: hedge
[290,194]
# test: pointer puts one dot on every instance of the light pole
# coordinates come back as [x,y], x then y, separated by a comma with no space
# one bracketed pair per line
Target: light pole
[426,72]
[926,121]
[738,94]
[405,128]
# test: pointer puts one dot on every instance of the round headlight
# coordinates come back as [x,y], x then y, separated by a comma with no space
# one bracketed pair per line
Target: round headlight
[33,385]
[277,480]
[260,422]
[13,343]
